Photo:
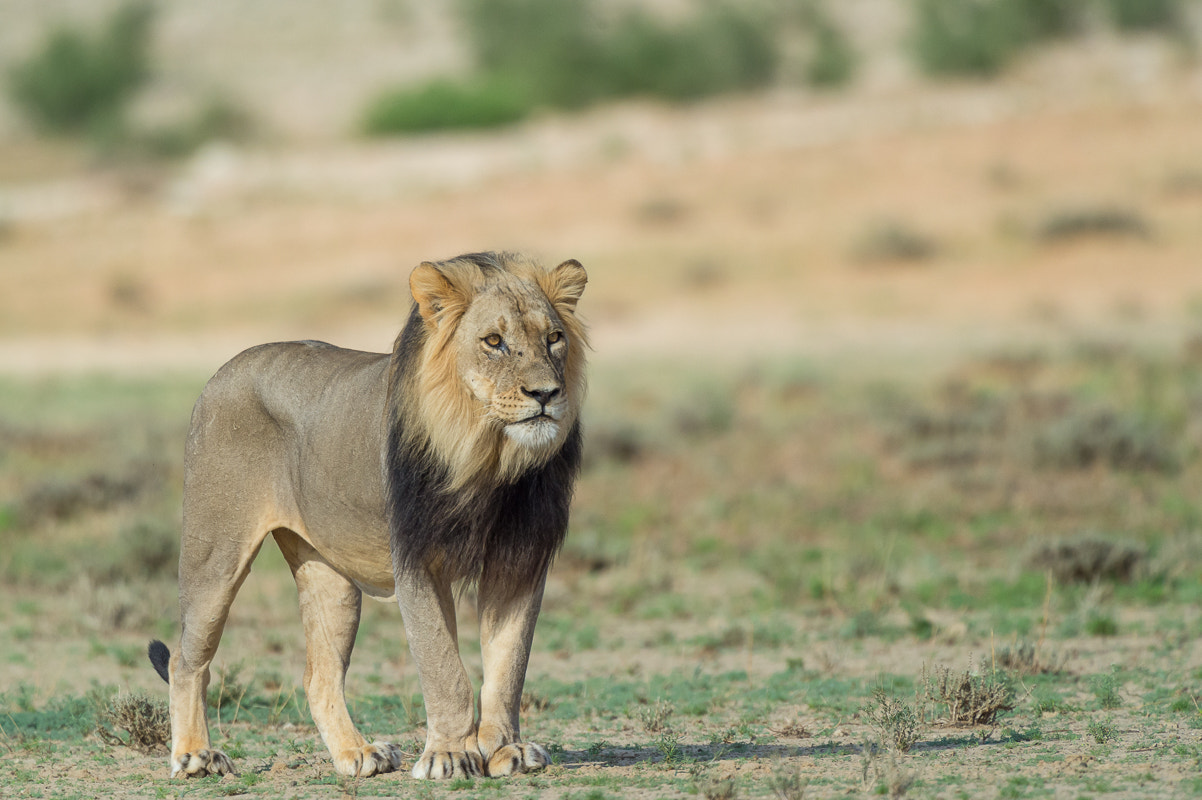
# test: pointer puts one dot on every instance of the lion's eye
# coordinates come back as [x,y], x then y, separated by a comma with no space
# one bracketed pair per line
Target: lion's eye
[553,337]
[493,340]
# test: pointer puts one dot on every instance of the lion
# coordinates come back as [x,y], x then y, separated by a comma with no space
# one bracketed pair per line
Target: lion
[450,460]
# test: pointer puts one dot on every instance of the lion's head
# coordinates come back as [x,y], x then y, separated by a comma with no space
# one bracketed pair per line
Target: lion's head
[490,367]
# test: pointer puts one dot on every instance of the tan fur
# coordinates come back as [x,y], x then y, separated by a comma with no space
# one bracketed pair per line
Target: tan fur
[290,440]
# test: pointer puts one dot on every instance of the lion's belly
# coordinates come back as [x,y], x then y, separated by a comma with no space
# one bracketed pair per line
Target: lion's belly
[354,544]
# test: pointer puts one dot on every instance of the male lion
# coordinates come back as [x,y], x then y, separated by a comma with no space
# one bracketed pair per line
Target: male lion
[452,458]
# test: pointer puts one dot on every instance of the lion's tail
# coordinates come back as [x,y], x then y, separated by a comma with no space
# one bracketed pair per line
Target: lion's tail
[159,656]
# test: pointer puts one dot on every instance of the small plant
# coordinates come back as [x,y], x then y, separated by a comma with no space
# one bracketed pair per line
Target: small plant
[970,699]
[717,788]
[1106,690]
[889,776]
[655,716]
[786,783]
[145,720]
[1097,624]
[1103,731]
[892,241]
[670,749]
[896,722]
[1025,658]
[595,749]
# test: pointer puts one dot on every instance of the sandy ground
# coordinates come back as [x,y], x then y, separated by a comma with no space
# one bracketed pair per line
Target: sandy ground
[729,231]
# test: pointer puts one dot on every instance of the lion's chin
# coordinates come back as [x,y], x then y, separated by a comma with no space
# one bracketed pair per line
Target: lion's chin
[535,434]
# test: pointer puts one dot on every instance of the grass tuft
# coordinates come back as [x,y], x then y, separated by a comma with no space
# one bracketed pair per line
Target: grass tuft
[969,699]
[145,720]
[1087,559]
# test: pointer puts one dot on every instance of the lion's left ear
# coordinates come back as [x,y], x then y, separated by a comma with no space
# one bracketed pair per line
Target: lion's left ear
[564,284]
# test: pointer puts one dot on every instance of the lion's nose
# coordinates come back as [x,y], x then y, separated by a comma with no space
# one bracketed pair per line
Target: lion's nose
[543,396]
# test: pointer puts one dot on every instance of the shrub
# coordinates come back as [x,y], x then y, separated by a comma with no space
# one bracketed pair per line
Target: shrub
[1078,223]
[1103,731]
[1145,15]
[1105,687]
[1102,436]
[895,721]
[981,37]
[532,53]
[446,104]
[1087,559]
[970,699]
[145,720]
[76,83]
[832,60]
[892,241]
[965,37]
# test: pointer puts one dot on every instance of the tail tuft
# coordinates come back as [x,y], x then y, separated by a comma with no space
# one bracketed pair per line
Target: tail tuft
[159,656]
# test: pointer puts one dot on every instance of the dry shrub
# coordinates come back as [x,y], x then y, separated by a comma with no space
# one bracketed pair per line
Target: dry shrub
[1123,441]
[1076,223]
[718,788]
[656,717]
[895,721]
[1024,658]
[970,699]
[1087,559]
[787,783]
[145,720]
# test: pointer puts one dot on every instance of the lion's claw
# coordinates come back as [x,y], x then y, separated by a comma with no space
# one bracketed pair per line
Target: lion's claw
[445,765]
[202,763]
[517,758]
[371,759]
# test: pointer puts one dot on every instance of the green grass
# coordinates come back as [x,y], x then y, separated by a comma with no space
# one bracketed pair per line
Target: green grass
[731,595]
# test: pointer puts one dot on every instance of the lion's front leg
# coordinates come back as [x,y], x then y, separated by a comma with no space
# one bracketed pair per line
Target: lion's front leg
[428,609]
[507,618]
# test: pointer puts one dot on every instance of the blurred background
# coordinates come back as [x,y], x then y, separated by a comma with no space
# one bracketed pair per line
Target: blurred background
[884,294]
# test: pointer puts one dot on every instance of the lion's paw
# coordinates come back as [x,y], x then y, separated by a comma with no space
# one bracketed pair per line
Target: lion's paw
[516,758]
[202,763]
[436,765]
[370,759]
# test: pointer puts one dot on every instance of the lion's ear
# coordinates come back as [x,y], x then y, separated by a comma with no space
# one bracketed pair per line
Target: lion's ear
[433,291]
[564,284]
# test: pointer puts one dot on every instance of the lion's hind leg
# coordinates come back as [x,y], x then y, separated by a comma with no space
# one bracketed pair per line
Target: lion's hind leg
[210,576]
[330,606]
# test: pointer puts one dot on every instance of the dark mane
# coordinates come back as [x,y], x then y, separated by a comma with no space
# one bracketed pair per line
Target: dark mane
[510,531]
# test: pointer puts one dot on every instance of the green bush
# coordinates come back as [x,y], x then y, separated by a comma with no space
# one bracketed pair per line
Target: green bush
[556,54]
[77,83]
[1145,15]
[445,104]
[833,61]
[963,37]
[981,37]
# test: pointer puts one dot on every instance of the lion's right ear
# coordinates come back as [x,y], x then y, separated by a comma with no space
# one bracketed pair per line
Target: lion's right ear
[434,293]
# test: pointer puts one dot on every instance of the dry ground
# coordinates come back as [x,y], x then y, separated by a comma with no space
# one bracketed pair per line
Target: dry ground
[760,246]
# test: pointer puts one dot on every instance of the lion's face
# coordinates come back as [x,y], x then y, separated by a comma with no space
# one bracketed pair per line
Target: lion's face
[501,381]
[512,350]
